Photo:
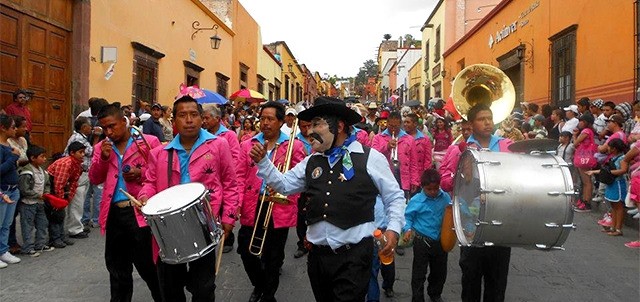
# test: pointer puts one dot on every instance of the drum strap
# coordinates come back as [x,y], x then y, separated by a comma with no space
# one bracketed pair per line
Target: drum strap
[169,167]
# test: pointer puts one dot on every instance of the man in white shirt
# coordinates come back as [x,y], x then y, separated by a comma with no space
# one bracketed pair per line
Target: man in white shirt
[572,121]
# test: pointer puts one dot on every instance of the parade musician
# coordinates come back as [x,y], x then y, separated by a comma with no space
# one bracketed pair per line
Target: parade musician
[342,180]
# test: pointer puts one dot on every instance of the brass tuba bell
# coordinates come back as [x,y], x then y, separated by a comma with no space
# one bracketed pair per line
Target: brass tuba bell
[483,83]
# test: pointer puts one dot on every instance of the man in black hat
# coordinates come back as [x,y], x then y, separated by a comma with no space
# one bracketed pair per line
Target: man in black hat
[341,181]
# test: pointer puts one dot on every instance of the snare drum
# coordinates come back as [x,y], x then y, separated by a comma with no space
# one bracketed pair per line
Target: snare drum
[510,199]
[182,223]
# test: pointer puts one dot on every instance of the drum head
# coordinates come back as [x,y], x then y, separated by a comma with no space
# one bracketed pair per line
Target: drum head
[173,198]
[467,198]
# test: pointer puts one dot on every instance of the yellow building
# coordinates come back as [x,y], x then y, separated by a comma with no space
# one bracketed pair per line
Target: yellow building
[269,74]
[415,82]
[246,48]
[153,52]
[292,75]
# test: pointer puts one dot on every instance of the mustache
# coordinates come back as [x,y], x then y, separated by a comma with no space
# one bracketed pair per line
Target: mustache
[317,137]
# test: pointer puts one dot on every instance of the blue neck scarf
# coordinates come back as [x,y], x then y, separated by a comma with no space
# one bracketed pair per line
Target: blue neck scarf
[336,152]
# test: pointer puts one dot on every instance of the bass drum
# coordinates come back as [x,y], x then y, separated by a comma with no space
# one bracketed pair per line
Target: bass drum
[182,223]
[510,199]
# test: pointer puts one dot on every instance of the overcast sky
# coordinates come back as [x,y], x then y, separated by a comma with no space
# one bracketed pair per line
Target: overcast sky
[337,36]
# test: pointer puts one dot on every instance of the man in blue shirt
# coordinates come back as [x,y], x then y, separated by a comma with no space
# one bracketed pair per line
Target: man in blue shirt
[341,180]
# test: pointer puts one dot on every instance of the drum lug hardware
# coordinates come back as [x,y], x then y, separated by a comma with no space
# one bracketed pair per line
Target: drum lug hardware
[546,247]
[494,191]
[556,193]
[184,215]
[490,162]
[493,223]
[195,244]
[555,165]
[488,243]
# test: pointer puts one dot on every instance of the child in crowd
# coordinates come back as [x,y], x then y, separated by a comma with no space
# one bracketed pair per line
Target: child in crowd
[65,173]
[442,135]
[566,150]
[423,217]
[33,183]
[615,193]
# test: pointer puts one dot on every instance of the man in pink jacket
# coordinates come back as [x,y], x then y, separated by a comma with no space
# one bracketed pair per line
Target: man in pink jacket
[399,149]
[196,156]
[423,143]
[449,164]
[120,162]
[211,122]
[263,270]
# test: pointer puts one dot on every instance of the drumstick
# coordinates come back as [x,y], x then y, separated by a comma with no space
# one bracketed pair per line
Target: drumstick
[220,248]
[133,199]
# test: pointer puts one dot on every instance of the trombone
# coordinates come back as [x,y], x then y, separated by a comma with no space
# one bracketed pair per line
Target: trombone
[260,228]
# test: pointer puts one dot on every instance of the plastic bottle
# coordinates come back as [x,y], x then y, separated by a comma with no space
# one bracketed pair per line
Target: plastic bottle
[381,242]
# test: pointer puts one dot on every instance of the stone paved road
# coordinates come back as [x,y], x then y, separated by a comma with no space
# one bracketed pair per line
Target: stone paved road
[594,267]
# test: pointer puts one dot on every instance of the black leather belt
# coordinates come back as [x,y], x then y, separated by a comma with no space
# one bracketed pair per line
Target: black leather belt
[123,204]
[326,249]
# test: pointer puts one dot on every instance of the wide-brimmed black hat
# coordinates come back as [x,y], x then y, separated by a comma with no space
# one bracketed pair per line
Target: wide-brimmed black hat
[330,106]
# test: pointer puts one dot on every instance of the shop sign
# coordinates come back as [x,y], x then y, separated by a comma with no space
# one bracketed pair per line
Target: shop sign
[503,33]
[507,30]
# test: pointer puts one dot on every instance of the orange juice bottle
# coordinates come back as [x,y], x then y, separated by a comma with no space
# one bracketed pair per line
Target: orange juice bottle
[381,242]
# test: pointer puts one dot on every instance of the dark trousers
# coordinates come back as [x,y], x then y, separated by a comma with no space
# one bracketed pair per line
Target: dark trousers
[230,240]
[427,254]
[490,263]
[301,224]
[198,276]
[128,245]
[264,271]
[341,276]
[12,229]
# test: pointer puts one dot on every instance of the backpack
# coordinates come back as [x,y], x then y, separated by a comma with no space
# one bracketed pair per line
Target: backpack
[605,175]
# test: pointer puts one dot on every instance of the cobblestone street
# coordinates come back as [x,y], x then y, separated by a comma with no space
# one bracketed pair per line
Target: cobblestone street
[594,267]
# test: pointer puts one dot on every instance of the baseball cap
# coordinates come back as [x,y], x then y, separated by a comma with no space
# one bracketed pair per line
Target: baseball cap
[538,117]
[291,111]
[573,108]
[372,105]
[156,105]
[618,119]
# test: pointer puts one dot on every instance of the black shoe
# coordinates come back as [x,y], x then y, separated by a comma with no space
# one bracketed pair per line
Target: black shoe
[86,229]
[436,299]
[80,235]
[300,252]
[58,244]
[255,296]
[226,249]
[68,241]
[400,251]
[388,292]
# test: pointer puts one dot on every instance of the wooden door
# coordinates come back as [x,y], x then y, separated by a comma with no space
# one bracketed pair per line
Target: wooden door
[35,54]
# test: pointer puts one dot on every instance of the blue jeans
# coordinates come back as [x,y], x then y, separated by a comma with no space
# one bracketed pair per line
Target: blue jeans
[93,199]
[6,218]
[32,215]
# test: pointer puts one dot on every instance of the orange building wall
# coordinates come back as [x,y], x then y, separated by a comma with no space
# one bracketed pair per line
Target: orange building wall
[245,48]
[604,46]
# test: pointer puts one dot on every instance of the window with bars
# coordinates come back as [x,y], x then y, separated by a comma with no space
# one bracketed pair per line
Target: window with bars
[244,78]
[145,80]
[222,85]
[563,60]
[425,63]
[436,55]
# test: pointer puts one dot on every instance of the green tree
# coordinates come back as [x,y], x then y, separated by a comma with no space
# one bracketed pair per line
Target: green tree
[386,37]
[369,69]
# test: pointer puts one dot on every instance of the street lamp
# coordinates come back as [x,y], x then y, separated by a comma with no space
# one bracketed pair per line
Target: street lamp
[483,6]
[215,39]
